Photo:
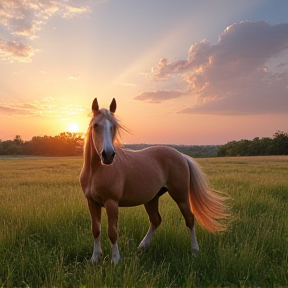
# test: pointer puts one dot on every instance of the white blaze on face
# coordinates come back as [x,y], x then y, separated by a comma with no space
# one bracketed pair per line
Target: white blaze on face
[108,137]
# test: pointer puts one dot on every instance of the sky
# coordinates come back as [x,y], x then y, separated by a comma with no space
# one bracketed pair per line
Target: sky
[182,72]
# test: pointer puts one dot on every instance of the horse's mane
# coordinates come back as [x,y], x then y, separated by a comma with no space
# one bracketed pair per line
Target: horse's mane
[104,113]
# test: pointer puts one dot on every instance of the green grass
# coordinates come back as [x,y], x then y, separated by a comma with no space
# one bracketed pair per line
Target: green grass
[45,237]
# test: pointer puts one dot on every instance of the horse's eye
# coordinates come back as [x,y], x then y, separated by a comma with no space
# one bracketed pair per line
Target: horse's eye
[95,126]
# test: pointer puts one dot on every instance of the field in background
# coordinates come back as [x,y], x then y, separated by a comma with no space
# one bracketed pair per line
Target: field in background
[45,238]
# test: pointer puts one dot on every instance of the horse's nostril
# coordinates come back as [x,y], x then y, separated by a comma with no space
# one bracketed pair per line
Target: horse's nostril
[104,155]
[113,154]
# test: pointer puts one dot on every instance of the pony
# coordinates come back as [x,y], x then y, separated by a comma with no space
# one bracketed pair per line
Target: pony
[114,177]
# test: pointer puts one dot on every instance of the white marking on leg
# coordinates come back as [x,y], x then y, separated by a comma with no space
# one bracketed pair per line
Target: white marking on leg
[115,253]
[147,239]
[194,243]
[97,251]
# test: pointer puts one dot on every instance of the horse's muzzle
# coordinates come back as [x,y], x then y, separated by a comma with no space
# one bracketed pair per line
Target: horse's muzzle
[107,158]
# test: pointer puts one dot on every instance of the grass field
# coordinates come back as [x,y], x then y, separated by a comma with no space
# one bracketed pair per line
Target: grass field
[45,237]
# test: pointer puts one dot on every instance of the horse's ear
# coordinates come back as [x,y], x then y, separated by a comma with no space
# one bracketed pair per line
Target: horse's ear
[113,106]
[95,106]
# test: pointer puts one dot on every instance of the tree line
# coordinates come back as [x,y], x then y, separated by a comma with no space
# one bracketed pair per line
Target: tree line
[278,145]
[64,144]
[71,144]
[195,151]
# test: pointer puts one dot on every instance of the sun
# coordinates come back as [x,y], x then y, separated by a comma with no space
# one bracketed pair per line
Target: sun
[73,127]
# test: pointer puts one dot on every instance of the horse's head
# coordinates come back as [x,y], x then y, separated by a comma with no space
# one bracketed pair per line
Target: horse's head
[103,127]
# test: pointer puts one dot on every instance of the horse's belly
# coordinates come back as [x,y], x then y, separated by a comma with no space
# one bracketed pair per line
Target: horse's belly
[133,201]
[125,202]
[129,203]
[134,196]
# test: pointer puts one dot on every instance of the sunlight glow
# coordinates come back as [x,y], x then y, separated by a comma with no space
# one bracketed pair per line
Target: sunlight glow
[73,127]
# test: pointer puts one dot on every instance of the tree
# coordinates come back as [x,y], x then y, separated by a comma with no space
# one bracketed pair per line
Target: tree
[10,147]
[264,146]
[280,143]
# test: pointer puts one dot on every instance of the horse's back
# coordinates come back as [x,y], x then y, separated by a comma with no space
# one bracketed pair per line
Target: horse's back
[154,158]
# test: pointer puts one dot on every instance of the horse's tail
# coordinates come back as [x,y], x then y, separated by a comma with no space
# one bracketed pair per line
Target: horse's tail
[207,205]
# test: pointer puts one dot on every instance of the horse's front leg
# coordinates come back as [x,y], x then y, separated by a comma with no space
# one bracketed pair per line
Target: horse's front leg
[112,214]
[95,212]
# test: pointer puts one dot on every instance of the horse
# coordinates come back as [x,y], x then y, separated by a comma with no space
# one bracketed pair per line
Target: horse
[114,177]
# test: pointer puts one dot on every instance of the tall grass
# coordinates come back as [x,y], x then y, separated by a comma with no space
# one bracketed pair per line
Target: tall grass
[45,237]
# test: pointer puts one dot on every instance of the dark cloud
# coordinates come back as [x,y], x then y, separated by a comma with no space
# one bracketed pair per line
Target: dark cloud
[236,75]
[158,96]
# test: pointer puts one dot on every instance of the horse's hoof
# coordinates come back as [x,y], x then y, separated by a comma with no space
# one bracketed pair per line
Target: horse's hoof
[95,257]
[195,251]
[115,259]
[143,245]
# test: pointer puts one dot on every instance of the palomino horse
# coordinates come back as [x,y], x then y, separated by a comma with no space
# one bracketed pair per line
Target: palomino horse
[113,177]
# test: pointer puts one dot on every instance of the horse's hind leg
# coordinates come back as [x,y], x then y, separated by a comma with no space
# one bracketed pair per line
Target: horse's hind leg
[155,220]
[95,212]
[189,219]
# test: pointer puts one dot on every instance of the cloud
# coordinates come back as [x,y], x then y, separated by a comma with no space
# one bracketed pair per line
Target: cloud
[43,107]
[128,84]
[21,20]
[237,75]
[74,77]
[12,109]
[13,50]
[158,96]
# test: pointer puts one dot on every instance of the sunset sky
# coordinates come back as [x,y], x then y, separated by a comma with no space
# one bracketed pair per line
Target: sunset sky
[182,72]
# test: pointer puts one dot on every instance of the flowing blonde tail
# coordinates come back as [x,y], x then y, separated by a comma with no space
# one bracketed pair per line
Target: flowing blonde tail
[207,205]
